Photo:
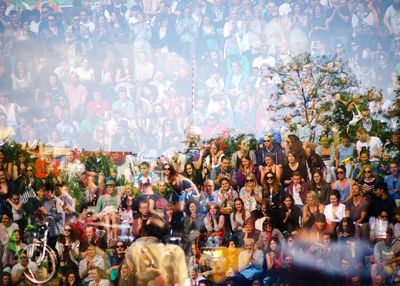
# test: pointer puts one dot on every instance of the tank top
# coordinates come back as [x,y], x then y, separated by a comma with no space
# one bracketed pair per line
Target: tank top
[345,192]
[345,152]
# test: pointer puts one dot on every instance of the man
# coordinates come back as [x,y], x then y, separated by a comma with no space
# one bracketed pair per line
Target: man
[393,147]
[392,19]
[208,195]
[116,261]
[89,261]
[393,180]
[146,224]
[385,252]
[382,201]
[225,170]
[250,256]
[145,178]
[298,190]
[372,126]
[272,148]
[195,276]
[343,184]
[17,272]
[357,209]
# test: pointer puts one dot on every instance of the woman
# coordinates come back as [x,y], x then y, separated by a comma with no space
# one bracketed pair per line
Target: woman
[294,145]
[107,210]
[273,259]
[289,216]
[317,24]
[327,153]
[269,232]
[315,161]
[126,213]
[299,41]
[272,190]
[238,217]
[12,250]
[19,167]
[85,72]
[320,186]
[98,275]
[213,159]
[67,247]
[182,187]
[312,208]
[251,194]
[345,154]
[292,166]
[124,75]
[335,211]
[363,160]
[368,180]
[186,30]
[243,150]
[246,168]
[70,279]
[226,196]
[270,166]
[193,174]
[214,223]
[193,223]
[5,166]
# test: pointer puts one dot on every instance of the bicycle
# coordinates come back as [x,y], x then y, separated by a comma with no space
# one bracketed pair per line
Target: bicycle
[44,258]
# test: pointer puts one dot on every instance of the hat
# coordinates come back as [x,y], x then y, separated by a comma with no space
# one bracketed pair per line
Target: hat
[110,182]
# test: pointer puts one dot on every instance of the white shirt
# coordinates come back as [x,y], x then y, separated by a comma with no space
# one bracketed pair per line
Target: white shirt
[373,145]
[337,216]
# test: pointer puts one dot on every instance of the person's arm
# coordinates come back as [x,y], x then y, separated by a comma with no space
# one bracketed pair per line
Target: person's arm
[362,218]
[137,226]
[17,275]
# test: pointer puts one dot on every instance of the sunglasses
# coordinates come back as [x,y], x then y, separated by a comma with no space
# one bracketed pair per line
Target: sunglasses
[67,229]
[268,178]
[367,171]
[340,172]
[165,169]
[120,246]
[250,180]
[29,170]
[267,141]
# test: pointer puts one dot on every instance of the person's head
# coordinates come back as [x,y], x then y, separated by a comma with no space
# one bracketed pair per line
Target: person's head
[249,225]
[208,186]
[341,172]
[6,279]
[120,247]
[288,201]
[249,244]
[367,171]
[269,160]
[189,168]
[270,178]
[320,221]
[144,208]
[362,134]
[381,189]
[169,170]
[345,140]
[317,176]
[191,208]
[394,168]
[71,278]
[246,161]
[251,180]
[6,218]
[312,198]
[214,148]
[296,178]
[238,205]
[389,236]
[268,142]
[291,157]
[288,260]
[225,184]
[334,197]
[244,144]
[110,185]
[225,163]
[364,156]
[324,141]
[144,168]
[273,244]
[89,232]
[355,191]
[24,260]
[213,209]
[326,238]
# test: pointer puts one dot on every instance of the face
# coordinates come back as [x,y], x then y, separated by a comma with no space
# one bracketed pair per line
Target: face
[71,278]
[238,205]
[324,142]
[288,202]
[367,173]
[89,232]
[249,245]
[317,178]
[268,161]
[225,185]
[189,169]
[291,158]
[340,173]
[334,200]
[245,162]
[250,182]
[267,141]
[320,225]
[167,170]
[296,180]
[110,188]
[273,245]
[144,169]
[213,209]
[192,208]
[67,230]
[364,157]
[310,199]
[144,209]
[225,164]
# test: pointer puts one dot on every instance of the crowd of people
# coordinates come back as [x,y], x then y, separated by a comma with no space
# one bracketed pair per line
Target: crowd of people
[113,76]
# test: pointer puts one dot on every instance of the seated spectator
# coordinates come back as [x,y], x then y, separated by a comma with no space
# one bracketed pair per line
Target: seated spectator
[250,256]
[214,223]
[335,211]
[89,263]
[251,194]
[298,189]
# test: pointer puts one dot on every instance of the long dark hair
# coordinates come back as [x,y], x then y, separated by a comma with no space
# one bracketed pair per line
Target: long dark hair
[235,210]
[314,171]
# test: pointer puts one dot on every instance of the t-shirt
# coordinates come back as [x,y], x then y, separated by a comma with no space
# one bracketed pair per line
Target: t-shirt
[373,145]
[355,211]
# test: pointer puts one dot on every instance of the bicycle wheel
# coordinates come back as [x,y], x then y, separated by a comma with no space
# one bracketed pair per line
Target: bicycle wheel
[42,266]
